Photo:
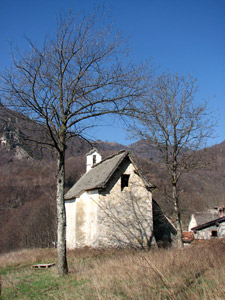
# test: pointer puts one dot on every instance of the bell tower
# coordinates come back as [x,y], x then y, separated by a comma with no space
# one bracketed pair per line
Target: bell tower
[92,158]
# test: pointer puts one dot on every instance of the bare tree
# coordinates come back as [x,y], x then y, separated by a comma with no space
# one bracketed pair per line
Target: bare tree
[77,76]
[172,122]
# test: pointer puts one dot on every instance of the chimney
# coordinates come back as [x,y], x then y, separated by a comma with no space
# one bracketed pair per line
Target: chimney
[92,158]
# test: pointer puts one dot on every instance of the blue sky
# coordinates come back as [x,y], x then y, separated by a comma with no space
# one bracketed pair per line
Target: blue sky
[184,36]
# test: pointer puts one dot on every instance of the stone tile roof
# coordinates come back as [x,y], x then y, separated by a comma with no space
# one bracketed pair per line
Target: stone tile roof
[101,173]
[203,217]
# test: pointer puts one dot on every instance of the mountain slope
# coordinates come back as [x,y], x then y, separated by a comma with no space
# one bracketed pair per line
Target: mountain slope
[27,181]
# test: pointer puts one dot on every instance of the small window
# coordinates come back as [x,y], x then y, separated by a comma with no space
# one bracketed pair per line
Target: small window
[124,181]
[214,233]
[94,159]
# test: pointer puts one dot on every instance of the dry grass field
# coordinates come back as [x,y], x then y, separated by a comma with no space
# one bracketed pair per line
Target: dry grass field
[196,272]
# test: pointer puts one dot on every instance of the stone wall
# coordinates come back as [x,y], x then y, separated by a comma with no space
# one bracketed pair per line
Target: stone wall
[207,232]
[125,214]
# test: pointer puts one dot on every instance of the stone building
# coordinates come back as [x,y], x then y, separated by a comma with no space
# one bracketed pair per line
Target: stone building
[208,224]
[111,205]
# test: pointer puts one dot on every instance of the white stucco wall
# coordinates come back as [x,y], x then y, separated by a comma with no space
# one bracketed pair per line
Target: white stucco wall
[70,206]
[89,227]
[81,220]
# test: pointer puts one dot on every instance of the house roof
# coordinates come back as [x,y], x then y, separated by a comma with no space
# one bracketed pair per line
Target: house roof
[206,216]
[100,174]
[209,224]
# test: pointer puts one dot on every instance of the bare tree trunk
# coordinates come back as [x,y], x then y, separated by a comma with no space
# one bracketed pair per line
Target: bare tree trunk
[179,242]
[61,215]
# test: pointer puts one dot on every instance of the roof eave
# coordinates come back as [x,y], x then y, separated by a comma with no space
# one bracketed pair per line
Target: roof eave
[148,184]
[208,224]
[83,191]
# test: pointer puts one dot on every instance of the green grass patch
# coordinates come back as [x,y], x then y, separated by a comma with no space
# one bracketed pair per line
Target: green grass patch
[37,284]
[28,284]
[10,269]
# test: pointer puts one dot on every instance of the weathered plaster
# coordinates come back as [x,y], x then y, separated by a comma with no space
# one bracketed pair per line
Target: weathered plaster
[70,206]
[81,216]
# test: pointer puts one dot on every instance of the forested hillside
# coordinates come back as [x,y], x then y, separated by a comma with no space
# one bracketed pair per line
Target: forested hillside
[27,180]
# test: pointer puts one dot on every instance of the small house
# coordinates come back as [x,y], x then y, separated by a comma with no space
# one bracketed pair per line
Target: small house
[111,205]
[209,224]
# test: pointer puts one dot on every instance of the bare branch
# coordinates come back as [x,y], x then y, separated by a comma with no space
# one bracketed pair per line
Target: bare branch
[79,75]
[172,122]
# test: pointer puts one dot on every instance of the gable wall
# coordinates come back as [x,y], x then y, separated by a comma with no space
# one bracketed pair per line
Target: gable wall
[124,214]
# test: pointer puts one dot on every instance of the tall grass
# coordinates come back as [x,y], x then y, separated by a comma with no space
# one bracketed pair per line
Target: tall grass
[195,272]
